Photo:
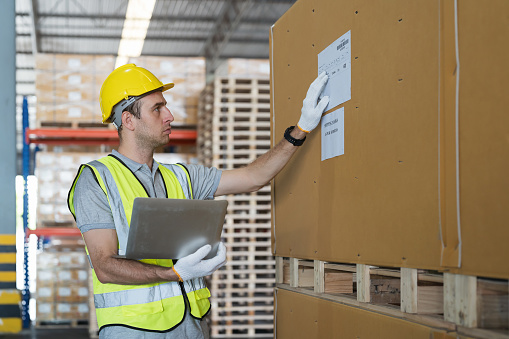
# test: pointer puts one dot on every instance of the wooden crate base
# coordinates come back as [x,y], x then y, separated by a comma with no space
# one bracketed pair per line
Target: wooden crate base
[472,306]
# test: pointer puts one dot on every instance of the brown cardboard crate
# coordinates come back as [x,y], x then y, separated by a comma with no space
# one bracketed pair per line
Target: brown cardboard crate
[71,311]
[71,293]
[44,62]
[299,315]
[73,95]
[45,84]
[45,311]
[104,64]
[76,63]
[397,181]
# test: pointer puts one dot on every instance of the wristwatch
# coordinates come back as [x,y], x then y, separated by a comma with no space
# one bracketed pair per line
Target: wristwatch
[292,140]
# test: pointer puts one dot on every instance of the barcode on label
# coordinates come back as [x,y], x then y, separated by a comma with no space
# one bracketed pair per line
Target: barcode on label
[342,44]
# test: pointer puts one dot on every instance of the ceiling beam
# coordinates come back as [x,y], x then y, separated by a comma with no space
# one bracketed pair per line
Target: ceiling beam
[149,38]
[225,25]
[155,18]
[162,54]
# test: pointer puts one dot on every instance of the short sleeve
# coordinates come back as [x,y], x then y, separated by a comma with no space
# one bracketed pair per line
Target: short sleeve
[91,204]
[204,180]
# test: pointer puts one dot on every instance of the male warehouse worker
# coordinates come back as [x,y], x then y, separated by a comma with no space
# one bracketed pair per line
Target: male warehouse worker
[157,298]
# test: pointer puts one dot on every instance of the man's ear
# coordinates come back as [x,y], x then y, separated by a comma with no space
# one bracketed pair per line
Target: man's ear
[127,120]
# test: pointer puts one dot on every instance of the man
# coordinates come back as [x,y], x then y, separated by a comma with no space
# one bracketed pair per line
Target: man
[158,298]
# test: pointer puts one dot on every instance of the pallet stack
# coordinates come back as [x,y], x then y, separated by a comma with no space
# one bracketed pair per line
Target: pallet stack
[235,131]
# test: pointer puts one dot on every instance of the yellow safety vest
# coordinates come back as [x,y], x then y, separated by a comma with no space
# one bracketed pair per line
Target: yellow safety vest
[158,307]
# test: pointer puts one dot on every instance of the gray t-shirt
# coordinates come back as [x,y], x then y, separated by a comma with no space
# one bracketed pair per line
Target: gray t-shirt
[91,204]
[93,212]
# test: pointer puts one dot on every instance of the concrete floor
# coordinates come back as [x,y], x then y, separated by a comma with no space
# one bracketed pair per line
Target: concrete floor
[49,333]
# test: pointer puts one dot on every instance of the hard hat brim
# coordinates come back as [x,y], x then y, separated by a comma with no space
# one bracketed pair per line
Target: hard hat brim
[167,86]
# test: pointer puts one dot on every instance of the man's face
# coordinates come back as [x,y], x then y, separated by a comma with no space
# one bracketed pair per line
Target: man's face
[153,128]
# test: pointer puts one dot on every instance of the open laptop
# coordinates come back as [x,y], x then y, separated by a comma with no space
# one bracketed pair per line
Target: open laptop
[174,228]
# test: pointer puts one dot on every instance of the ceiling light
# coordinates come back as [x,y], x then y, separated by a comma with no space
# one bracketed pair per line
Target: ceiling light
[137,20]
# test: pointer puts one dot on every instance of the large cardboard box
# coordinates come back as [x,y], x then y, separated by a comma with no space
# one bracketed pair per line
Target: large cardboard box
[301,316]
[418,149]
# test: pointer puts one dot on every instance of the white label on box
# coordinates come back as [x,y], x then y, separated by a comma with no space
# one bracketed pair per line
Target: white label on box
[82,308]
[65,160]
[44,292]
[83,291]
[45,275]
[64,275]
[336,60]
[166,66]
[74,80]
[45,175]
[64,291]
[65,259]
[66,176]
[46,209]
[74,112]
[63,308]
[74,96]
[44,308]
[74,63]
[45,159]
[333,134]
[82,275]
[63,193]
[46,191]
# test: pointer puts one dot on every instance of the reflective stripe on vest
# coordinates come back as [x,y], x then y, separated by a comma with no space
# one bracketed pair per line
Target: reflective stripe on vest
[158,306]
[139,296]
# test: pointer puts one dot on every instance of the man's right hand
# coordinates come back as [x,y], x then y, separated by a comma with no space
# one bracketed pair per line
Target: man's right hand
[193,265]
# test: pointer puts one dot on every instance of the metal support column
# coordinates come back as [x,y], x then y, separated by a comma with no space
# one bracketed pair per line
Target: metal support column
[8,125]
[8,166]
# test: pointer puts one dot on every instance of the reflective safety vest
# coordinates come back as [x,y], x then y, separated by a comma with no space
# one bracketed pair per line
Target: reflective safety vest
[158,307]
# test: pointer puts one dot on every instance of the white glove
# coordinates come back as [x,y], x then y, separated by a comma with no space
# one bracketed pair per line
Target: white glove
[193,266]
[312,112]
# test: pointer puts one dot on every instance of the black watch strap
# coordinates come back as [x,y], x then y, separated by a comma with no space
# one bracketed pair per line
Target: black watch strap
[292,140]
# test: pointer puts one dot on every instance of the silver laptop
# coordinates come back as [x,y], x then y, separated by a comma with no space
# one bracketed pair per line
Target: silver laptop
[174,228]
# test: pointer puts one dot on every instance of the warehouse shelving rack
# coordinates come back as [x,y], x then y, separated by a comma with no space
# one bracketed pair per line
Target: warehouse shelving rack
[62,137]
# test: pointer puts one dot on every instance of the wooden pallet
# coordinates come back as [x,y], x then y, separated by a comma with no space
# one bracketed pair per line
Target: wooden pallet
[472,306]
[234,123]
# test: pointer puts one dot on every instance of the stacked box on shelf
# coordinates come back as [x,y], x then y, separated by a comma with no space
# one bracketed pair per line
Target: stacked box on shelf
[239,125]
[55,173]
[188,75]
[62,286]
[67,88]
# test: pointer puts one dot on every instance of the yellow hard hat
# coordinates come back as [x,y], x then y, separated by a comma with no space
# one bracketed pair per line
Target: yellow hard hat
[126,82]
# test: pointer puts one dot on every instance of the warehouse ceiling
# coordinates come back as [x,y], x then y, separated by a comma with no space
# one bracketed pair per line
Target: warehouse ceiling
[214,29]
